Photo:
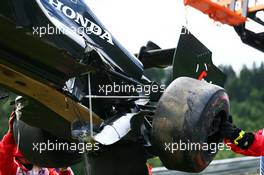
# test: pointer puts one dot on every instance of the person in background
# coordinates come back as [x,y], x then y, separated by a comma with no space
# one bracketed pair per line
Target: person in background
[12,161]
[242,142]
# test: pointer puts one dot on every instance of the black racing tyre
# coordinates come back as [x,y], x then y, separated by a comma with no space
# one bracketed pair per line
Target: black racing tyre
[188,119]
[38,115]
[30,136]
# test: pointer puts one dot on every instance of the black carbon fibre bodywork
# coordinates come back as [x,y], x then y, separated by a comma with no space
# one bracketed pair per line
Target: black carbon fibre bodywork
[56,56]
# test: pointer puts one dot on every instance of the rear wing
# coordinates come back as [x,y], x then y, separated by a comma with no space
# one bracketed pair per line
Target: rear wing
[193,59]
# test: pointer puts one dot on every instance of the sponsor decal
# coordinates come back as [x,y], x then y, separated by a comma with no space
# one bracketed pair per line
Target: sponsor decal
[91,27]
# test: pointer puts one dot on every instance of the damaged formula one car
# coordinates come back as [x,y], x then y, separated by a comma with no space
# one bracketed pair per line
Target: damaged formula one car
[82,86]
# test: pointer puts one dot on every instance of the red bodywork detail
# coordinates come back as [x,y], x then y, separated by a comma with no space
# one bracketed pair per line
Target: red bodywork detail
[202,75]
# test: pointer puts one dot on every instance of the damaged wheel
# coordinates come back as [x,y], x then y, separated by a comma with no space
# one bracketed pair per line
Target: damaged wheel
[43,149]
[186,124]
